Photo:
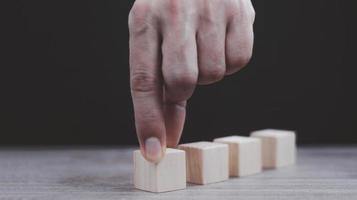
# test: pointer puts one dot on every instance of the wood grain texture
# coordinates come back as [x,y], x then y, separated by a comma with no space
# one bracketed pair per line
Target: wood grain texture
[245,155]
[206,162]
[327,173]
[167,175]
[278,147]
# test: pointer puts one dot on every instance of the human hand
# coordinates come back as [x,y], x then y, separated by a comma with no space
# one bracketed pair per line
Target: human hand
[175,45]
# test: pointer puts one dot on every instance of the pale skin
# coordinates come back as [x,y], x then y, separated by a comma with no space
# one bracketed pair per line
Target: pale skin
[175,45]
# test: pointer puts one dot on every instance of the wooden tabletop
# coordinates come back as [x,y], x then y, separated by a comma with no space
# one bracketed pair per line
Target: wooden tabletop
[325,172]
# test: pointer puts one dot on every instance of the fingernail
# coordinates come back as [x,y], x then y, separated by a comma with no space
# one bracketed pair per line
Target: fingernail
[153,150]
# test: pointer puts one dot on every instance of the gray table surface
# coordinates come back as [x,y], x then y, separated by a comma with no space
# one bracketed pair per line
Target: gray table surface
[325,172]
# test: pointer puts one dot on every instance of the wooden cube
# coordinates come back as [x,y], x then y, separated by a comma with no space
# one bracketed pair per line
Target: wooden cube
[244,155]
[167,175]
[206,162]
[278,147]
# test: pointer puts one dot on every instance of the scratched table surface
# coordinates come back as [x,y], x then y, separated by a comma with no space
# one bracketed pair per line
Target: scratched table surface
[325,172]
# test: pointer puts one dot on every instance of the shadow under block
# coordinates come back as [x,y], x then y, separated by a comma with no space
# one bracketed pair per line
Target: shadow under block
[167,175]
[206,162]
[278,147]
[245,156]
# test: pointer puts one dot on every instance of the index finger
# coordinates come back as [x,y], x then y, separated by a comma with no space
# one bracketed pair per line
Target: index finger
[146,85]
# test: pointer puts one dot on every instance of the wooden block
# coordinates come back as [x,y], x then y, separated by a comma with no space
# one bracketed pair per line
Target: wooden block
[206,162]
[167,175]
[278,147]
[244,155]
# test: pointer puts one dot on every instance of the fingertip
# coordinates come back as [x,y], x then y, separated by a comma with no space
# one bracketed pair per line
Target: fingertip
[173,143]
[153,149]
[175,113]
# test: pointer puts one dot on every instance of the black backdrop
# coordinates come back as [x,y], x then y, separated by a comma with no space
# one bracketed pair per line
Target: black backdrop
[64,75]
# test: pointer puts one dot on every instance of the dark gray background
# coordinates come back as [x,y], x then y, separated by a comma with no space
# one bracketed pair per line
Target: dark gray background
[64,75]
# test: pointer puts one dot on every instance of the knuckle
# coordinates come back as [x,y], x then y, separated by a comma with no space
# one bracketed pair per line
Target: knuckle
[208,12]
[180,86]
[233,6]
[212,74]
[173,6]
[182,81]
[143,82]
[173,11]
[241,61]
